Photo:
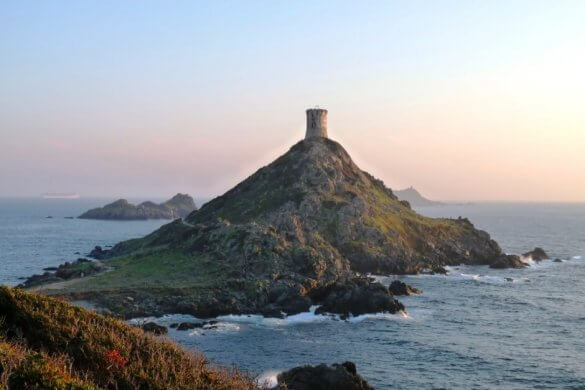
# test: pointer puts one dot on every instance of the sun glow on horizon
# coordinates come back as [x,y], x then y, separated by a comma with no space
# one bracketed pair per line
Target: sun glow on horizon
[463,100]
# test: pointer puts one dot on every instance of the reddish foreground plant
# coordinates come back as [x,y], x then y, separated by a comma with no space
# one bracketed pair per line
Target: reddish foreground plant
[115,358]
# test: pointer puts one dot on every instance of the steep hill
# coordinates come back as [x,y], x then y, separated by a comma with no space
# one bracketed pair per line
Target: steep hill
[412,196]
[178,206]
[293,234]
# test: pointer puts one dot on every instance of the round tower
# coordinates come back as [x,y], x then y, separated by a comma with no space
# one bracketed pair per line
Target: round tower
[316,123]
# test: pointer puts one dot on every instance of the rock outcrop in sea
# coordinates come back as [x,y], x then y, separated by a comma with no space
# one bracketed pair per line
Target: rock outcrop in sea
[342,376]
[178,206]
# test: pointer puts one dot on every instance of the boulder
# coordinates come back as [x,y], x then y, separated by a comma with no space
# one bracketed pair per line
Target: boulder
[400,288]
[537,254]
[337,376]
[439,270]
[558,260]
[98,253]
[295,305]
[508,261]
[358,296]
[37,280]
[193,325]
[154,328]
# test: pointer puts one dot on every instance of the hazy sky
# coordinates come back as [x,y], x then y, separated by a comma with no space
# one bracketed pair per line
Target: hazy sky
[465,100]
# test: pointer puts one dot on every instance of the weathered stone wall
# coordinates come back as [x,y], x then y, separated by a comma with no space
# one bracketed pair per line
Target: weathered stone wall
[316,123]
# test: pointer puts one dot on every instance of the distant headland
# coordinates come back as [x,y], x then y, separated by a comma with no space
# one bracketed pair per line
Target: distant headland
[179,206]
[412,196]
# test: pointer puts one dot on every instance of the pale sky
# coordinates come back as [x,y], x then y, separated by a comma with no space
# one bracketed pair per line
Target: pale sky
[465,100]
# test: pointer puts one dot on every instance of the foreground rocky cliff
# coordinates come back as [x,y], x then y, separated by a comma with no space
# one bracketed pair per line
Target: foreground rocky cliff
[296,233]
[178,206]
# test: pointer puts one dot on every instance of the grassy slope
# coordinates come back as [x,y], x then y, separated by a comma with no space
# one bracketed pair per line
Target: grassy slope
[48,343]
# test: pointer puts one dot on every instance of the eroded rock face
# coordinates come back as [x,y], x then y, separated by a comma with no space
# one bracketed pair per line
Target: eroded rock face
[337,376]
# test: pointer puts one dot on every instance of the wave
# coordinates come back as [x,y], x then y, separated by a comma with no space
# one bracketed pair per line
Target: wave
[168,319]
[268,379]
[231,322]
[307,317]
[218,327]
[491,279]
[454,273]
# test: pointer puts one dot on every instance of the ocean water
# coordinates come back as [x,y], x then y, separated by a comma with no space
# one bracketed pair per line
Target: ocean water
[29,241]
[475,328]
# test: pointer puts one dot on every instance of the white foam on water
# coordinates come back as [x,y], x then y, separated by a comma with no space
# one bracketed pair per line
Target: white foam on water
[300,318]
[220,327]
[168,319]
[268,379]
[232,322]
[489,279]
[528,260]
[307,318]
[401,315]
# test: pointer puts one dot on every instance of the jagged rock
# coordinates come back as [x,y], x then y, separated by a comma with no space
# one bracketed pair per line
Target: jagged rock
[179,206]
[193,325]
[78,269]
[537,254]
[439,270]
[154,328]
[337,376]
[400,288]
[98,253]
[357,296]
[37,280]
[189,325]
[508,261]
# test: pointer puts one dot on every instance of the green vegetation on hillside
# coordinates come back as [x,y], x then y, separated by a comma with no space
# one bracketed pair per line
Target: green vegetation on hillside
[46,343]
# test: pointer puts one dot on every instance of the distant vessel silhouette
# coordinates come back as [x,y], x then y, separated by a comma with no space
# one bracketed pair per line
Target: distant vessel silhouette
[60,195]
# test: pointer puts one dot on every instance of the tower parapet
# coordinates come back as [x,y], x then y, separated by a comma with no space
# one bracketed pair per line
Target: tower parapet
[316,123]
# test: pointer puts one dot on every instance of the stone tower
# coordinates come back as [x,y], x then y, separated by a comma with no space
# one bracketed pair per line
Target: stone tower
[316,123]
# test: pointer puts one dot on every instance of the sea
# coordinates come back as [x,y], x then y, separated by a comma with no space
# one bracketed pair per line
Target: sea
[475,328]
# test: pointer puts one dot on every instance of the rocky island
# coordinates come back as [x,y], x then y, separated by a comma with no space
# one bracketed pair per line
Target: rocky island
[301,231]
[178,206]
[412,196]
